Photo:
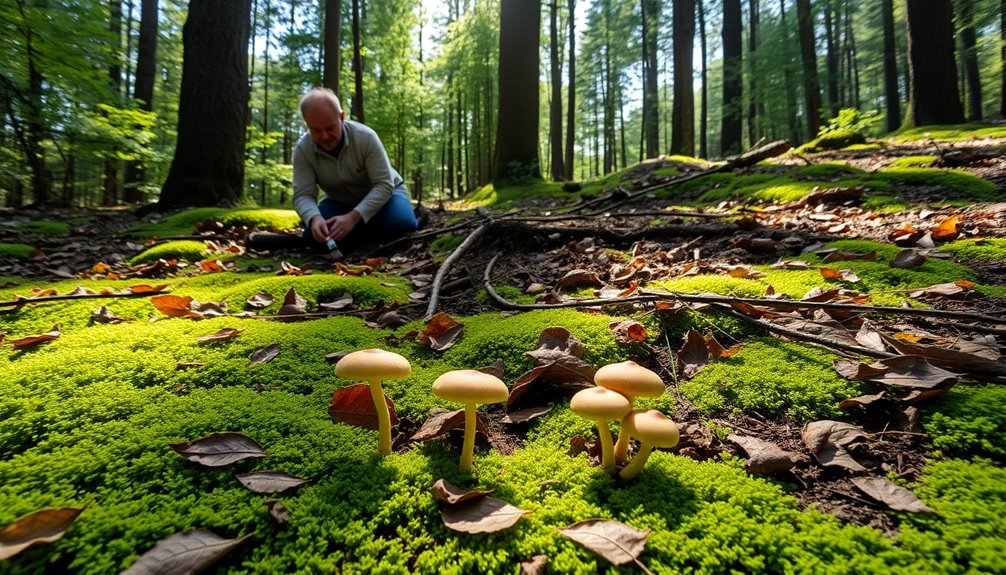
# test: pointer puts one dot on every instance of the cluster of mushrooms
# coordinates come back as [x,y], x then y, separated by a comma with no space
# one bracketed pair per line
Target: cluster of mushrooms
[617,385]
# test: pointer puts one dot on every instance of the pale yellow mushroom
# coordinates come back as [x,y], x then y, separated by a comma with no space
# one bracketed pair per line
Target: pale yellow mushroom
[601,405]
[470,387]
[374,365]
[652,429]
[631,380]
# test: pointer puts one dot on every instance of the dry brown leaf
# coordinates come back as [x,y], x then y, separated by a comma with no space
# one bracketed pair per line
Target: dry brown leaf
[839,255]
[344,301]
[446,492]
[693,355]
[845,275]
[441,421]
[104,315]
[288,269]
[264,354]
[862,400]
[552,375]
[525,415]
[947,229]
[744,272]
[34,340]
[628,331]
[951,359]
[890,494]
[354,405]
[222,335]
[483,515]
[614,541]
[293,304]
[211,266]
[716,349]
[763,457]
[907,259]
[144,288]
[536,566]
[175,305]
[260,300]
[270,481]
[42,526]
[791,265]
[184,553]
[219,449]
[944,290]
[441,332]
[577,279]
[279,513]
[829,440]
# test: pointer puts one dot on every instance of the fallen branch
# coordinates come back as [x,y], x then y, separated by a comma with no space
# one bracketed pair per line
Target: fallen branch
[23,301]
[445,267]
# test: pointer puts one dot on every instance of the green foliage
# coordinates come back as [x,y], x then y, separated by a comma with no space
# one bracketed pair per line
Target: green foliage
[445,243]
[16,251]
[851,120]
[184,223]
[955,183]
[882,204]
[45,228]
[969,420]
[125,132]
[950,133]
[977,249]
[832,140]
[771,377]
[187,250]
[913,162]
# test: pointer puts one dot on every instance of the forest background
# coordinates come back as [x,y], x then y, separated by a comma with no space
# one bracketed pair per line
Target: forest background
[91,91]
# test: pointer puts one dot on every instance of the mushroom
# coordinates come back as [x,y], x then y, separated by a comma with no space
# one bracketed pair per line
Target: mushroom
[374,365]
[601,405]
[631,380]
[470,387]
[652,429]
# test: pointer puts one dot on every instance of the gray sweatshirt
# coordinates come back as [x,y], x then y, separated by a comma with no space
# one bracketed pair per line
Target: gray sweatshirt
[358,172]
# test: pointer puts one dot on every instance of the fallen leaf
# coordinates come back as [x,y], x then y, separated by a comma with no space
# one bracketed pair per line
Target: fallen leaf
[270,481]
[104,315]
[526,415]
[870,338]
[39,292]
[862,400]
[34,340]
[945,290]
[693,355]
[441,332]
[184,553]
[764,457]
[947,229]
[549,376]
[828,441]
[495,370]
[628,331]
[210,309]
[827,328]
[260,300]
[42,526]
[560,339]
[264,354]
[818,196]
[293,304]
[211,266]
[188,364]
[483,515]
[219,449]
[951,359]
[446,492]
[354,405]
[890,494]
[909,371]
[81,290]
[288,269]
[174,305]
[791,265]
[441,421]
[536,566]
[716,349]
[907,259]
[744,272]
[144,288]
[612,540]
[578,278]
[756,244]
[222,335]
[839,256]
[344,301]
[845,275]
[279,513]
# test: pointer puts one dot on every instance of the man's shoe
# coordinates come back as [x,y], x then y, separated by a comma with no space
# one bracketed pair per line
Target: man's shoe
[269,241]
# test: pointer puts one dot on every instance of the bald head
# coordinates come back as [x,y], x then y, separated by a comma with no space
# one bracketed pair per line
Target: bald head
[320,97]
[324,117]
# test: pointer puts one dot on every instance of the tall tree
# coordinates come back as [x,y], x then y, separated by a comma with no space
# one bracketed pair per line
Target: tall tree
[969,45]
[110,179]
[1002,62]
[754,12]
[891,96]
[517,128]
[208,166]
[333,45]
[808,57]
[143,90]
[357,64]
[733,81]
[683,105]
[933,97]
[571,92]
[649,9]
[704,105]
[558,171]
[831,57]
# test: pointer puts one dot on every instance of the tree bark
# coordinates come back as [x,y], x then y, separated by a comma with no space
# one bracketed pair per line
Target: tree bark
[571,93]
[808,58]
[831,58]
[557,170]
[41,181]
[208,167]
[651,113]
[143,90]
[357,65]
[731,129]
[683,105]
[517,128]
[893,99]
[704,105]
[969,40]
[110,177]
[933,96]
[753,97]
[1002,56]
[333,45]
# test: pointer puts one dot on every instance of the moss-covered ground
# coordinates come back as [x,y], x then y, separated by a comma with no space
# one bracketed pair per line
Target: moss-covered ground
[86,419]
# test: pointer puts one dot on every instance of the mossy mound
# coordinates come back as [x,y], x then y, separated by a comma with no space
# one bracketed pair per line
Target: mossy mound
[16,251]
[184,223]
[771,377]
[185,250]
[913,162]
[950,133]
[45,228]
[969,421]
[977,249]
[833,140]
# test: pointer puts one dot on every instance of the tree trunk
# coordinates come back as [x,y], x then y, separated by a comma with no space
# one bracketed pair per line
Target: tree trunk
[208,167]
[558,171]
[969,41]
[853,66]
[571,93]
[357,65]
[110,178]
[143,90]
[704,106]
[791,107]
[753,96]
[933,96]
[893,99]
[733,82]
[808,57]
[651,110]
[683,105]
[517,128]
[333,45]
[41,181]
[1002,56]
[831,58]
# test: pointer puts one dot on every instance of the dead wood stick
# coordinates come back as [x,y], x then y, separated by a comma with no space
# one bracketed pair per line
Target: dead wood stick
[566,217]
[23,301]
[794,304]
[438,280]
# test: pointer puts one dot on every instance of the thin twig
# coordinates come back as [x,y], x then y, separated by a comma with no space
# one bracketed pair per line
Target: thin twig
[23,301]
[445,267]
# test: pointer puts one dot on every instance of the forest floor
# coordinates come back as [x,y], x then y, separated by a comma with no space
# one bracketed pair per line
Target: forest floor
[842,408]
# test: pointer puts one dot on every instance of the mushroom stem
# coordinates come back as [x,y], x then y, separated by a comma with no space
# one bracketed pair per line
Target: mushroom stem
[631,470]
[468,449]
[607,450]
[621,446]
[383,417]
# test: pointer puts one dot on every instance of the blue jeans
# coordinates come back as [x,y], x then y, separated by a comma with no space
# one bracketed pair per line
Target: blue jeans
[394,220]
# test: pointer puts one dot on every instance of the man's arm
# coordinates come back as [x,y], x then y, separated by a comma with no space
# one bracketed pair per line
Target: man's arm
[378,168]
[305,187]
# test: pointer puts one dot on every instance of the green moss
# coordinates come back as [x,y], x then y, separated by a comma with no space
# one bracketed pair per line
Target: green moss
[955,182]
[45,228]
[445,243]
[950,133]
[508,293]
[16,251]
[977,249]
[864,147]
[771,377]
[882,204]
[969,420]
[184,223]
[185,250]
[834,140]
[913,162]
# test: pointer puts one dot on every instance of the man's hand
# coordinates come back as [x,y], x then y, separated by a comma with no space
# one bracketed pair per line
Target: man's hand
[319,229]
[340,226]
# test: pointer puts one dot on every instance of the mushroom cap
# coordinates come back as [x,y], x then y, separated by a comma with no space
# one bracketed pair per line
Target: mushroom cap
[600,404]
[465,385]
[373,364]
[630,379]
[651,426]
